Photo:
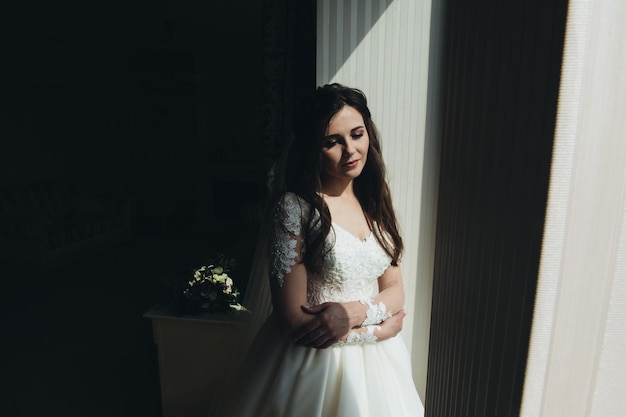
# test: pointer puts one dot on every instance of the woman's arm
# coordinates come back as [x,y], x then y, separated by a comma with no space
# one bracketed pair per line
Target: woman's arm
[289,284]
[319,330]
[328,323]
[376,332]
[322,325]
[289,290]
[391,290]
[288,297]
[331,322]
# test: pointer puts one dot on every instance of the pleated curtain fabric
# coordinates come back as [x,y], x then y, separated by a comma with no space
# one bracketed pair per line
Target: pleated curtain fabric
[499,89]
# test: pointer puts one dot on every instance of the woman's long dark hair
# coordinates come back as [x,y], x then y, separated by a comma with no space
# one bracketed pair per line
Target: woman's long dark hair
[304,169]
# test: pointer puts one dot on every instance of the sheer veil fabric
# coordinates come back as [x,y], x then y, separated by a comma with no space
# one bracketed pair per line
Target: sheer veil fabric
[257,298]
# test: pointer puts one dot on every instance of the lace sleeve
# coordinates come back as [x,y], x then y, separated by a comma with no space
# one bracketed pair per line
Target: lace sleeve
[288,219]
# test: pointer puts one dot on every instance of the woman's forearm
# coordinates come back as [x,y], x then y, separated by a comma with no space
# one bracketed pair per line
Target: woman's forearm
[288,298]
[391,290]
[388,301]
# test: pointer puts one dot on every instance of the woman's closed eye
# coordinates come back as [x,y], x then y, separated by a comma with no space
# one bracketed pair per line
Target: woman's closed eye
[329,143]
[332,140]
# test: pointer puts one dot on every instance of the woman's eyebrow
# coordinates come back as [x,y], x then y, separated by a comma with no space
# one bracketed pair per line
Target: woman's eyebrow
[337,135]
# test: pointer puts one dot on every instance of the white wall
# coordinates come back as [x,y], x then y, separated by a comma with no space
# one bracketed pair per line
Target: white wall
[381,47]
[577,361]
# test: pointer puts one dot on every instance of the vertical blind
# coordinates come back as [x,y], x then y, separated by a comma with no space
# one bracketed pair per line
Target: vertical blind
[498,94]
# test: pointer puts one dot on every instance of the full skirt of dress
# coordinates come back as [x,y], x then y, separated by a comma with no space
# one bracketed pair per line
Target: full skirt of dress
[281,379]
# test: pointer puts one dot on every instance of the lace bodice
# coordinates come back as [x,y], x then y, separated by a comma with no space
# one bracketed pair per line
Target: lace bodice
[351,268]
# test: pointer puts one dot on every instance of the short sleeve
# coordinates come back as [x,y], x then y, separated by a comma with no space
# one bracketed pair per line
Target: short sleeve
[289,217]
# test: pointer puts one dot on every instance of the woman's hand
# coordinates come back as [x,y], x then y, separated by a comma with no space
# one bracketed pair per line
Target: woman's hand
[332,323]
[385,330]
[329,323]
[390,327]
[320,326]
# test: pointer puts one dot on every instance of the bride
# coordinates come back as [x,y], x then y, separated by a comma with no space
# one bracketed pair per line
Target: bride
[330,346]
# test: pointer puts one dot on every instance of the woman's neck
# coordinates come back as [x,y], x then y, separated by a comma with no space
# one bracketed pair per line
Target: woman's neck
[338,188]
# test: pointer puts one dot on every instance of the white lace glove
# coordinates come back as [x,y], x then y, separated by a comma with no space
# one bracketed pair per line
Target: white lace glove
[376,313]
[358,337]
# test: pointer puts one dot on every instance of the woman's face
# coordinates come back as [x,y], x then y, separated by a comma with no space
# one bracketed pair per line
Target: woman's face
[345,146]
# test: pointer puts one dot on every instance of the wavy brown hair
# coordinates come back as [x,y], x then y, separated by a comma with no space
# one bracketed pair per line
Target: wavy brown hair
[304,169]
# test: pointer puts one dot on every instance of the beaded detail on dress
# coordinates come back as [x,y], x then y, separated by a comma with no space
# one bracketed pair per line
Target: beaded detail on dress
[351,268]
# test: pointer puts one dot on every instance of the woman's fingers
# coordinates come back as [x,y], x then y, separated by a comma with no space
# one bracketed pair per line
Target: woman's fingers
[329,322]
[317,338]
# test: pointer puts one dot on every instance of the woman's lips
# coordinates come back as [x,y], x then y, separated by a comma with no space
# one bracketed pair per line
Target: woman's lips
[351,164]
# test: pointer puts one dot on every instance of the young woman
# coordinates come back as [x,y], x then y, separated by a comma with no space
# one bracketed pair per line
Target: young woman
[330,346]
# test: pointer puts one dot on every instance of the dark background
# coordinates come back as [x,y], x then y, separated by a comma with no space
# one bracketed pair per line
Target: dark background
[140,97]
[179,105]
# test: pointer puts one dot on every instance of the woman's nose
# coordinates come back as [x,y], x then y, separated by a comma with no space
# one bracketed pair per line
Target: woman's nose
[348,148]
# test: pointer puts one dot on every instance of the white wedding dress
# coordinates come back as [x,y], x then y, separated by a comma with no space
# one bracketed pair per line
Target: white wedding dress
[345,380]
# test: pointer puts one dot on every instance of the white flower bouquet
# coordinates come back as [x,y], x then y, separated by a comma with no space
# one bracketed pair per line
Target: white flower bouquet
[211,289]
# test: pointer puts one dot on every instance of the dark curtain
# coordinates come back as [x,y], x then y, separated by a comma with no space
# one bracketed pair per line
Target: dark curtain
[288,67]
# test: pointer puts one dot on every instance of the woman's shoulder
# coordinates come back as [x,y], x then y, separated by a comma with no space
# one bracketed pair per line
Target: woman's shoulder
[289,197]
[291,212]
[292,201]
